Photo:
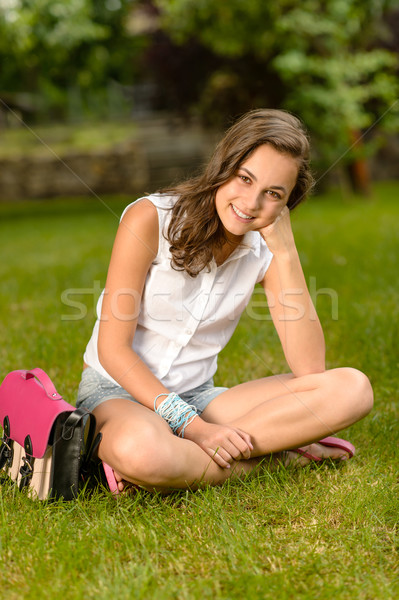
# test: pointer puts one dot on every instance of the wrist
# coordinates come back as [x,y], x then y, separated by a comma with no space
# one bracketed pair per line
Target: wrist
[194,428]
[288,249]
[175,411]
[287,256]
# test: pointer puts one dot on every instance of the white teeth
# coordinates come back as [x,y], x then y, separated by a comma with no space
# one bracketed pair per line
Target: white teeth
[241,214]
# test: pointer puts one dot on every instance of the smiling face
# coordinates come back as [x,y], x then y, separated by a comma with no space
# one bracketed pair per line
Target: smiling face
[255,196]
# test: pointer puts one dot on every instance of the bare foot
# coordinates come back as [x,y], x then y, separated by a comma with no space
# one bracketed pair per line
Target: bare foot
[123,485]
[317,450]
[120,481]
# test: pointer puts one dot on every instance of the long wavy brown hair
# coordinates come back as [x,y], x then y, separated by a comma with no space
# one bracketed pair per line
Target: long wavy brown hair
[195,229]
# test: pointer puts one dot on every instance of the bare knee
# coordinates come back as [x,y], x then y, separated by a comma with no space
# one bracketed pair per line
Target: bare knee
[354,388]
[143,457]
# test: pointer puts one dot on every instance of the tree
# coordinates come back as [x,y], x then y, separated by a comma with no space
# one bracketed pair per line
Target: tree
[65,53]
[321,57]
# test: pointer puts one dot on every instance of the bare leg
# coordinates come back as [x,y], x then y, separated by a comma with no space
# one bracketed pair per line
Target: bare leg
[283,412]
[278,412]
[140,447]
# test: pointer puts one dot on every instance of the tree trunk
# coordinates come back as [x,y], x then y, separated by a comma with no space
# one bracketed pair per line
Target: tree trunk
[358,169]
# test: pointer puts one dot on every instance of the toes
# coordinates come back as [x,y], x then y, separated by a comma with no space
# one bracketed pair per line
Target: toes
[118,477]
[292,458]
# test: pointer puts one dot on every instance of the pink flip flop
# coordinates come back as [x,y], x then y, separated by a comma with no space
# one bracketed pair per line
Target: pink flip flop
[113,484]
[332,442]
[110,477]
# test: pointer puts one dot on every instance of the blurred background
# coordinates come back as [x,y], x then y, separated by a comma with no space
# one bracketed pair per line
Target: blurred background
[122,96]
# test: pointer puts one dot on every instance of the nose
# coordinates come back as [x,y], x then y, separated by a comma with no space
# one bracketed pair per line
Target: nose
[252,199]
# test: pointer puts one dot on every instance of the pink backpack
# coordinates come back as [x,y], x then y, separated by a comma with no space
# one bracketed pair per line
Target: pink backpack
[48,446]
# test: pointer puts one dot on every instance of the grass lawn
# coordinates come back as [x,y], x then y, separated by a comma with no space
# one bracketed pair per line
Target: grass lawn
[320,532]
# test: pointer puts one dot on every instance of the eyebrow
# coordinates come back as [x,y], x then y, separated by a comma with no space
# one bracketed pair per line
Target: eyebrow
[270,187]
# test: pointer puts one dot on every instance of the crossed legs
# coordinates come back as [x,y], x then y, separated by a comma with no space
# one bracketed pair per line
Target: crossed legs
[279,413]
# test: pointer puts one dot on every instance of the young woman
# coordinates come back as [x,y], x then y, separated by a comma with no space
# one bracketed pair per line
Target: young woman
[183,268]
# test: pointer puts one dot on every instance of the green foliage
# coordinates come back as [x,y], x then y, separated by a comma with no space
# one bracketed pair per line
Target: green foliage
[322,55]
[338,84]
[62,52]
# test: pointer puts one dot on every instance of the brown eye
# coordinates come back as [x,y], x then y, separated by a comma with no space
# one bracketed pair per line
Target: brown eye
[275,195]
[244,178]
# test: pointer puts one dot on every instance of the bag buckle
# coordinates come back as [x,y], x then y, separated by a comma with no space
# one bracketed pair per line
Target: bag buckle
[26,471]
[6,447]
[6,453]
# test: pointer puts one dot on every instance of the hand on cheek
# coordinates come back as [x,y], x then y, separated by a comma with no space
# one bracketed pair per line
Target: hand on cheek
[278,235]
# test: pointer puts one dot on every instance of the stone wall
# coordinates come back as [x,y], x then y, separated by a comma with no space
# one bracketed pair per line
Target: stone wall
[159,155]
[71,174]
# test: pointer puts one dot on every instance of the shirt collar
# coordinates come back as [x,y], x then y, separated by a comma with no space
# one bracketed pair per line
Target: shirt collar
[250,243]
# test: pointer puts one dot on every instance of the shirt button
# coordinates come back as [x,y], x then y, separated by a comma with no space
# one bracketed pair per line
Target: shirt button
[188,331]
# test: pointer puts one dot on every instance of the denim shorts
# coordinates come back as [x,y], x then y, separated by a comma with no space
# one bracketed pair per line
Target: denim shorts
[94,389]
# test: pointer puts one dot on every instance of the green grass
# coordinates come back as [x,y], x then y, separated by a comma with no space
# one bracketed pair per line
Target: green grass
[320,532]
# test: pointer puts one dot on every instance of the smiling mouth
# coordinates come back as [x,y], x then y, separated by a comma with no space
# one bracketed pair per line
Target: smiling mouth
[241,214]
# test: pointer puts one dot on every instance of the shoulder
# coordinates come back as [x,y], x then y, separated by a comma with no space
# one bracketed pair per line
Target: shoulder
[138,228]
[143,210]
[159,205]
[160,201]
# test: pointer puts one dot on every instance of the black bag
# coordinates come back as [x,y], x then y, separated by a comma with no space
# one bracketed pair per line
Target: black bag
[47,446]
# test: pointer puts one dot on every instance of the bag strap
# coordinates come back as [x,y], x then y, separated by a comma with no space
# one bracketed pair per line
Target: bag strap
[73,420]
[44,380]
[91,439]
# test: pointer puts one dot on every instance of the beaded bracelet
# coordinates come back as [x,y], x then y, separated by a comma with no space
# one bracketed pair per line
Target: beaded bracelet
[176,412]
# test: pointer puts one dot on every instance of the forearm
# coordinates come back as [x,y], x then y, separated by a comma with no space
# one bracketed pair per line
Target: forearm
[295,317]
[223,444]
[127,368]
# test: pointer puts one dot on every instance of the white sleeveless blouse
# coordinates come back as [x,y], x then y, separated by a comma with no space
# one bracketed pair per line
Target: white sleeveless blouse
[185,322]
